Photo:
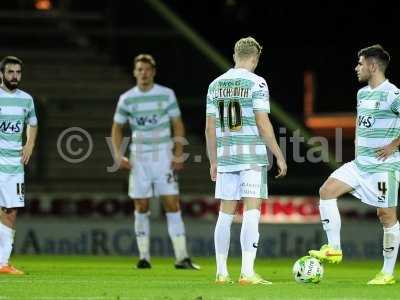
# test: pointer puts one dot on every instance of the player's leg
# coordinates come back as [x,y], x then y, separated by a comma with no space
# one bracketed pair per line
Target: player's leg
[342,181]
[330,216]
[11,198]
[142,232]
[386,186]
[7,229]
[175,225]
[249,237]
[226,189]
[253,188]
[8,218]
[166,185]
[140,191]
[222,238]
[391,238]
[176,231]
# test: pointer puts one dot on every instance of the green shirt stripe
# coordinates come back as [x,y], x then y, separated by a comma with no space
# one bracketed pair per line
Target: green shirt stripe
[396,105]
[246,121]
[377,168]
[369,151]
[146,99]
[378,114]
[242,159]
[160,112]
[9,152]
[378,132]
[149,128]
[239,140]
[172,106]
[152,141]
[375,95]
[17,102]
[244,102]
[122,112]
[20,118]
[11,169]
[11,137]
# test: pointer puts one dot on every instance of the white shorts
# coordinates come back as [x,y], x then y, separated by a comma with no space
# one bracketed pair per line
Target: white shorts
[251,183]
[12,192]
[376,189]
[152,175]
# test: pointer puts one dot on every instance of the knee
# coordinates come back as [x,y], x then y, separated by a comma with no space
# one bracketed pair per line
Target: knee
[172,206]
[9,216]
[326,193]
[228,207]
[141,207]
[387,218]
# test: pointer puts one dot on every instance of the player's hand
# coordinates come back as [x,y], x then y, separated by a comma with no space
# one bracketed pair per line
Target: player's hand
[385,152]
[213,172]
[176,166]
[282,168]
[124,163]
[26,153]
[177,161]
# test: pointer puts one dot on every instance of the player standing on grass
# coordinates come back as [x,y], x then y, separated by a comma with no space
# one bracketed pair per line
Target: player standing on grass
[16,109]
[237,132]
[151,109]
[373,176]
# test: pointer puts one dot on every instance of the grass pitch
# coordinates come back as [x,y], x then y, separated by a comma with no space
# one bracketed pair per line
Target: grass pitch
[101,278]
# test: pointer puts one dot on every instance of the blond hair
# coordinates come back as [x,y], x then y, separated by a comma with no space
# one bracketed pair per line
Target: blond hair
[146,58]
[246,47]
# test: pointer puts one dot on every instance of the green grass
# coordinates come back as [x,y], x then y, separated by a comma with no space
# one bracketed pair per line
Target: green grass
[101,278]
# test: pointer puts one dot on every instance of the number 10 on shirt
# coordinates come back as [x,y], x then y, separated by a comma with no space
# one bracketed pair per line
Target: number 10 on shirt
[234,115]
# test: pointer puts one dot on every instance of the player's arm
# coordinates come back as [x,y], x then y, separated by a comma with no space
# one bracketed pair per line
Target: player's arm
[384,152]
[211,140]
[117,136]
[355,138]
[31,133]
[178,132]
[267,133]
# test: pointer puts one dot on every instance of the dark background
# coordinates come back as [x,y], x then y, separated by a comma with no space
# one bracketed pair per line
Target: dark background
[82,54]
[322,36]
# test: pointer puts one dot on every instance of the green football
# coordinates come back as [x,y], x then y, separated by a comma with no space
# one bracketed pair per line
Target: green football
[308,269]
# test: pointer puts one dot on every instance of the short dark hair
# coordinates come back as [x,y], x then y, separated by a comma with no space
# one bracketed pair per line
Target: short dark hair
[377,52]
[146,58]
[9,60]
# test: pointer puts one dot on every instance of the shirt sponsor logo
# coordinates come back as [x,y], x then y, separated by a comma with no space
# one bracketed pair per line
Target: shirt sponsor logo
[10,127]
[366,121]
[147,120]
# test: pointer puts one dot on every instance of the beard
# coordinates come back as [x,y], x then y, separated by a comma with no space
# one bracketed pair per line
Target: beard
[364,78]
[11,85]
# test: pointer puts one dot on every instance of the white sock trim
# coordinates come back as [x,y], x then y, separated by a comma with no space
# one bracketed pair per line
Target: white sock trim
[225,216]
[395,227]
[328,201]
[7,230]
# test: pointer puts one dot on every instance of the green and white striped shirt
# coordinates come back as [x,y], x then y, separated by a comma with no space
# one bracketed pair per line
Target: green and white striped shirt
[378,124]
[149,114]
[16,109]
[233,99]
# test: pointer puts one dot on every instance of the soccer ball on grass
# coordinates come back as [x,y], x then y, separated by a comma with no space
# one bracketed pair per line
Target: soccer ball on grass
[308,269]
